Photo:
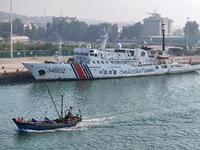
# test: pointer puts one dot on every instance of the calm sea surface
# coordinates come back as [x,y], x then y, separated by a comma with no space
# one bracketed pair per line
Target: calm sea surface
[156,112]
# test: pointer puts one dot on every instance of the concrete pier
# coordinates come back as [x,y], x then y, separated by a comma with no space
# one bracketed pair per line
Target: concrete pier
[13,70]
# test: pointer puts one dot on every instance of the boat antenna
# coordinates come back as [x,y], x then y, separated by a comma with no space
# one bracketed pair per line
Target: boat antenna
[53,101]
[103,44]
[58,53]
[61,106]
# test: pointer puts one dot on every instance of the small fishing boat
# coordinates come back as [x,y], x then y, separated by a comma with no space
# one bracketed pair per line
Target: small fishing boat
[69,120]
[47,124]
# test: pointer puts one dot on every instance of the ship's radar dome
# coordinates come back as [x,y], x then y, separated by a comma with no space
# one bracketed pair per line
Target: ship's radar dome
[118,46]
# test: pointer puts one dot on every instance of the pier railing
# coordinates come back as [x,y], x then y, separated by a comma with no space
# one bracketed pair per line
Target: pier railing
[33,53]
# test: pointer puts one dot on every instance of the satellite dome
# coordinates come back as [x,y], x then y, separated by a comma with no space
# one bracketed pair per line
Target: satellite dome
[118,46]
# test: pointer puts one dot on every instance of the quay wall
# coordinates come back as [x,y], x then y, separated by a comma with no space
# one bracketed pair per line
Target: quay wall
[11,69]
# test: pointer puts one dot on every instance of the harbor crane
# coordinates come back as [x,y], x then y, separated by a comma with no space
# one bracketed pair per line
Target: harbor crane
[154,14]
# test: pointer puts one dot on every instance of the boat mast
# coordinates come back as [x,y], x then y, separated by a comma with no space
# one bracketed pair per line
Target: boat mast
[53,101]
[103,44]
[61,106]
[58,53]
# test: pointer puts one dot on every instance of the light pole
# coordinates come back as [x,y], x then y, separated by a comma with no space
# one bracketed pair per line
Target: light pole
[11,40]
[163,34]
[188,30]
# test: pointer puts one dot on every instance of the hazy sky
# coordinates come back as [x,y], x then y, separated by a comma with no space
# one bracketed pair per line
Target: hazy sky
[108,10]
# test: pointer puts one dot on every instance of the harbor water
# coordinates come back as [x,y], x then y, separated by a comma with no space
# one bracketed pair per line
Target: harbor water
[152,112]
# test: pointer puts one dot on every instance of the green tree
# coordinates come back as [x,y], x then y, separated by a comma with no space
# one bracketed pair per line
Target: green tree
[33,31]
[113,32]
[5,30]
[41,32]
[125,32]
[55,36]
[138,30]
[77,31]
[135,30]
[6,36]
[27,31]
[18,27]
[92,32]
[48,29]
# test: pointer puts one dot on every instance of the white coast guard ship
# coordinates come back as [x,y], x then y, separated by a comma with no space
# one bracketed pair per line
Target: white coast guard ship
[89,63]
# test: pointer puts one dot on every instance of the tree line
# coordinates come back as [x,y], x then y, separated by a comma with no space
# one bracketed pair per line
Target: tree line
[81,31]
[69,31]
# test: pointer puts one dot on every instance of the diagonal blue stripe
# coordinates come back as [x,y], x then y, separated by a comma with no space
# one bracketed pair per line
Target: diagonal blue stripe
[88,70]
[74,70]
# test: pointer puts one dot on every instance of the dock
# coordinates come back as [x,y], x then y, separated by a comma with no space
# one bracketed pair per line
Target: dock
[12,70]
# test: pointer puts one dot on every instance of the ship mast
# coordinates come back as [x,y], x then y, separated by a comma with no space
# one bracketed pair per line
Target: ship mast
[103,43]
[61,113]
[58,54]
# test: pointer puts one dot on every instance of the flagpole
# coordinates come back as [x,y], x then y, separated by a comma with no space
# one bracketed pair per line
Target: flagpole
[11,40]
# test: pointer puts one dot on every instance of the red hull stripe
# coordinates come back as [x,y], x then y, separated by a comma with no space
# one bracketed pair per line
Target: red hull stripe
[79,71]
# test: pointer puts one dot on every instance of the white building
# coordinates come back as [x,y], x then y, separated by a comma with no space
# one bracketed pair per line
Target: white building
[153,25]
[20,39]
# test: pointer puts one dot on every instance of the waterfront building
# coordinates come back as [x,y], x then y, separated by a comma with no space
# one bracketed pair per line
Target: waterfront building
[66,19]
[20,39]
[153,25]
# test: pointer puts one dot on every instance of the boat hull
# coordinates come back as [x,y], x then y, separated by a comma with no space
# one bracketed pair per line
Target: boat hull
[62,71]
[47,125]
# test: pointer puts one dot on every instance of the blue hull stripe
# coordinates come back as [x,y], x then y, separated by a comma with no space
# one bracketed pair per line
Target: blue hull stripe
[74,71]
[85,70]
[88,70]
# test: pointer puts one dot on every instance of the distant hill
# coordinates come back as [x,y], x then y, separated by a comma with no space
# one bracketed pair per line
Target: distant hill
[94,21]
[42,21]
